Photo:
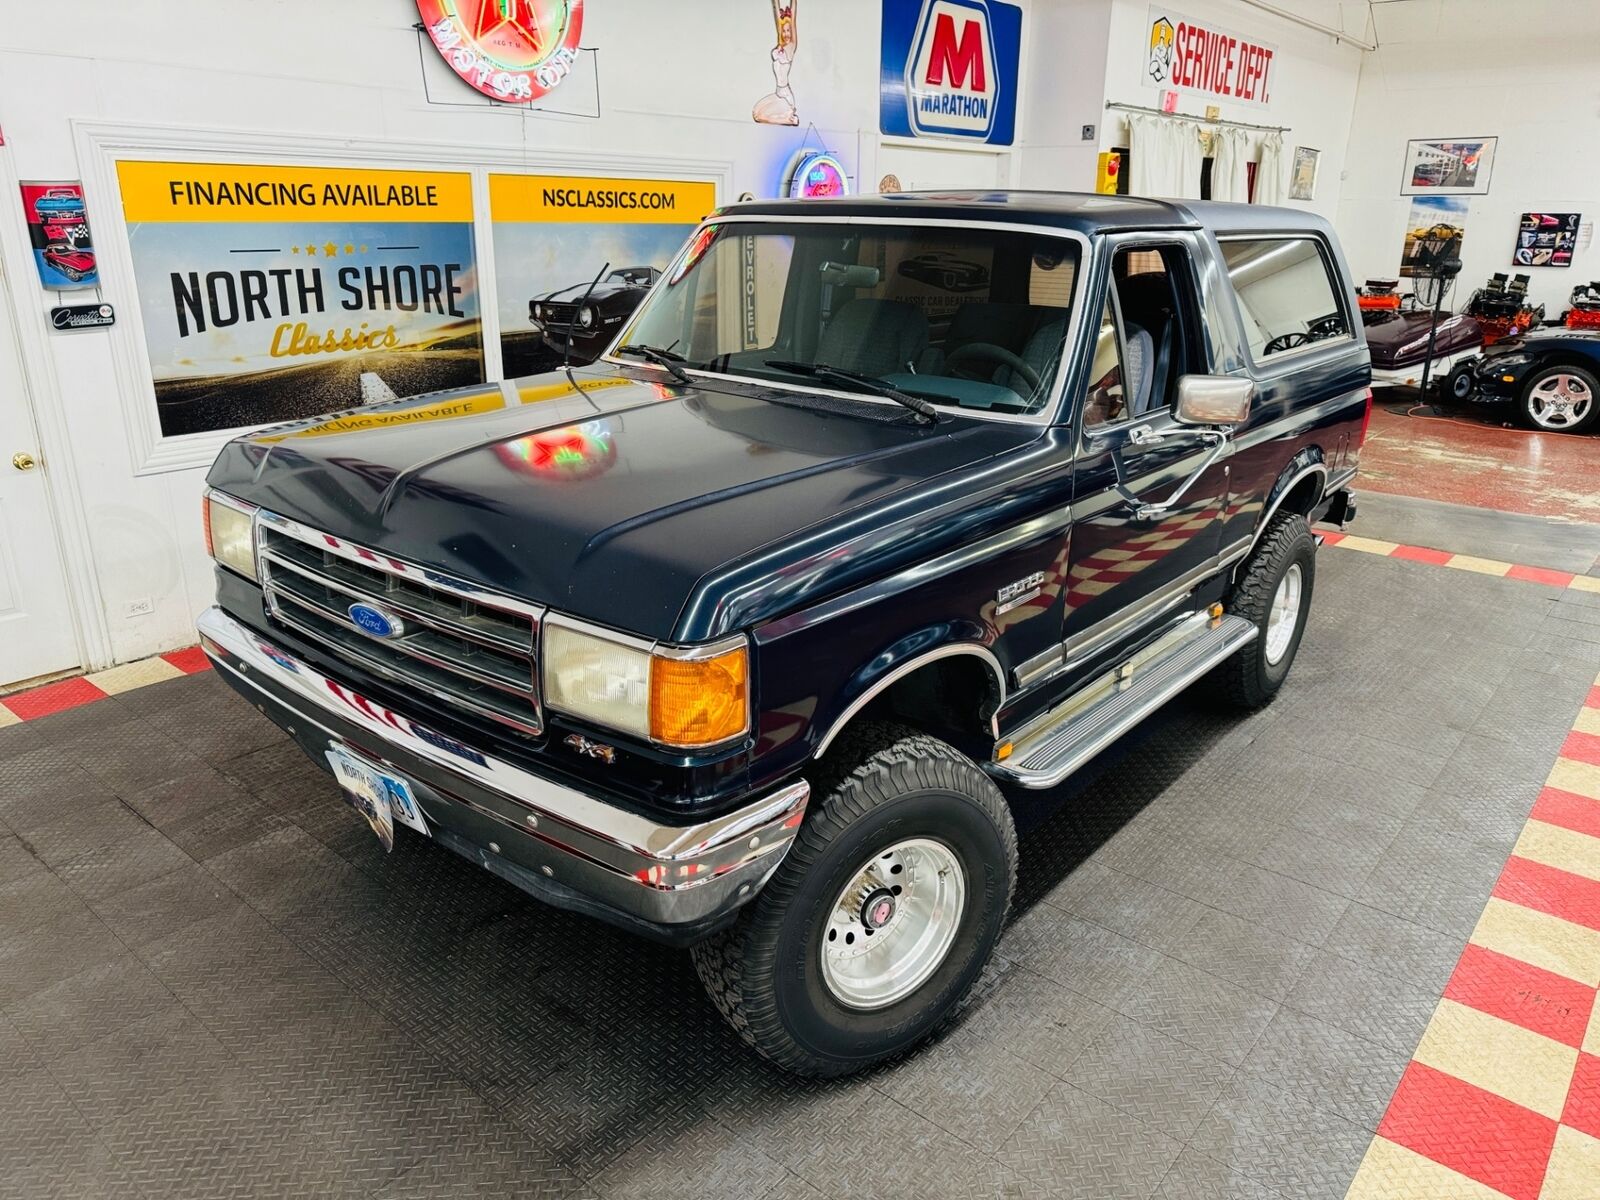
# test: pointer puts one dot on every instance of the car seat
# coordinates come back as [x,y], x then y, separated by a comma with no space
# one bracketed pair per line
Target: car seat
[874,337]
[1039,353]
[1147,308]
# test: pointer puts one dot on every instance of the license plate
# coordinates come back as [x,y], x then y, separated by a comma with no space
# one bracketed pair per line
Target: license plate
[378,796]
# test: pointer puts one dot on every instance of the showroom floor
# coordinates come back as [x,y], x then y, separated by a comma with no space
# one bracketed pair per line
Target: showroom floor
[1225,952]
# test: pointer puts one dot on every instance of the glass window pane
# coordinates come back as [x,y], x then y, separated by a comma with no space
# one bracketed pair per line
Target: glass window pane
[1285,293]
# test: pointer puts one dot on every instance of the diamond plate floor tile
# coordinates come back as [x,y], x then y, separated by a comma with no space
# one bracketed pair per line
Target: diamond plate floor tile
[17,859]
[1039,1020]
[1196,1177]
[1363,1001]
[1202,1011]
[1160,1082]
[1272,1135]
[1074,1145]
[1328,1066]
[89,1005]
[969,1085]
[705,1160]
[1104,966]
[55,950]
[1246,955]
[1411,953]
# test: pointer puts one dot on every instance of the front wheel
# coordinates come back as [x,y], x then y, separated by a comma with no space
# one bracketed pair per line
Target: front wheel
[1461,383]
[1273,592]
[1561,399]
[877,925]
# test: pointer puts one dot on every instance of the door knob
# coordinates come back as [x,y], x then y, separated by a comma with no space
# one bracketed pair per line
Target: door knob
[23,461]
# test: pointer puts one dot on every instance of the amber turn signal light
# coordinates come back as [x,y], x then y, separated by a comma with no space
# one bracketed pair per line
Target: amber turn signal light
[699,701]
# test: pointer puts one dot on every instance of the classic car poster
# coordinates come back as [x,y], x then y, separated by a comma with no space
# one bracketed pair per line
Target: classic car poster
[552,236]
[1303,173]
[58,230]
[1457,167]
[268,291]
[1546,239]
[1433,233]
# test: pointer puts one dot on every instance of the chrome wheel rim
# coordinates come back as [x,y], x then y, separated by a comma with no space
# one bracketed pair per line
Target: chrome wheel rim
[893,924]
[1285,615]
[1559,401]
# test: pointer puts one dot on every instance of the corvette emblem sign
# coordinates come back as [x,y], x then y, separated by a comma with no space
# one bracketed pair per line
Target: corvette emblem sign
[512,50]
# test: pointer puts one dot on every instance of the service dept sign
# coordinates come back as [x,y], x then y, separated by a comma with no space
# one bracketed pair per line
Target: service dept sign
[949,69]
[1182,54]
[511,50]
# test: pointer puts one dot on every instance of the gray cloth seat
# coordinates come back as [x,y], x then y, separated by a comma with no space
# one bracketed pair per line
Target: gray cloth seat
[1139,387]
[874,337]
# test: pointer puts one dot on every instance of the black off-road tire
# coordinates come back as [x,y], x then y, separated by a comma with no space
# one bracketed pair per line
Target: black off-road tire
[880,785]
[1248,680]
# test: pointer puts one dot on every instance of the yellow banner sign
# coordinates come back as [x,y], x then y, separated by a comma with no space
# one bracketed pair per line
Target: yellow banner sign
[568,198]
[233,192]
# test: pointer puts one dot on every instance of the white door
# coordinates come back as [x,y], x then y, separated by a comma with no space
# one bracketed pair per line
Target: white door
[36,633]
[921,169]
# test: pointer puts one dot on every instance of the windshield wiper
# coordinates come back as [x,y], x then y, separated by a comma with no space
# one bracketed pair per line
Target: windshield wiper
[871,383]
[667,359]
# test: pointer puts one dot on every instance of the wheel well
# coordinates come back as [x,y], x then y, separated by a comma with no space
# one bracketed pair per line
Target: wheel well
[952,698]
[1303,496]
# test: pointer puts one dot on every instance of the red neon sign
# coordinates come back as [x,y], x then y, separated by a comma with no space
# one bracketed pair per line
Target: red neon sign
[512,50]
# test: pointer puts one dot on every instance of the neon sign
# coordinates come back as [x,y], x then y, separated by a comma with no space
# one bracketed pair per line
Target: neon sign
[816,173]
[511,50]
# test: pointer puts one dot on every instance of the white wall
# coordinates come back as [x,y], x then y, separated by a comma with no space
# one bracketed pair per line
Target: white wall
[1314,78]
[676,80]
[1524,73]
[1066,73]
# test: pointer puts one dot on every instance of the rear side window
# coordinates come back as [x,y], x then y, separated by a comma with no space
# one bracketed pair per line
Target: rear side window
[1286,293]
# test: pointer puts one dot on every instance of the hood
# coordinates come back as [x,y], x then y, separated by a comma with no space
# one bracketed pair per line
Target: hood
[605,496]
[1401,339]
[606,287]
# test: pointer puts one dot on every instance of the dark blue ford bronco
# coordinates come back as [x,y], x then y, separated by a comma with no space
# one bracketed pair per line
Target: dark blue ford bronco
[741,636]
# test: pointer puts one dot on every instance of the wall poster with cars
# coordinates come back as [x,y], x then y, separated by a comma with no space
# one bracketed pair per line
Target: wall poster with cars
[552,237]
[1434,232]
[1546,239]
[58,230]
[267,292]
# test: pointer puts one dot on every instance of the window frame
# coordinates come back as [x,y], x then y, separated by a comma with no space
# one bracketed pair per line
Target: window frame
[1050,413]
[1185,312]
[1269,362]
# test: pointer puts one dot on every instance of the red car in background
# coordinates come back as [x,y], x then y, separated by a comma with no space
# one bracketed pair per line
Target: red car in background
[71,262]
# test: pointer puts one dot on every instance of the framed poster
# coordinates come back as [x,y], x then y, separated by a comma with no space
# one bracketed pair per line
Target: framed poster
[1452,167]
[1433,233]
[552,236]
[58,231]
[268,292]
[1546,239]
[1303,173]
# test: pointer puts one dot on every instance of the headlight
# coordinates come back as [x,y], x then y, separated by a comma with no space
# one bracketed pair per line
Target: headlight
[586,317]
[686,698]
[230,533]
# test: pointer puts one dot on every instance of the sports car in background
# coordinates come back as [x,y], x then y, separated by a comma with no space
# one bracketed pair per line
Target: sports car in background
[567,316]
[71,262]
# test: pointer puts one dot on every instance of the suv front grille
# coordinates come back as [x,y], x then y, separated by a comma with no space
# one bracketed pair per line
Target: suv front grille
[457,642]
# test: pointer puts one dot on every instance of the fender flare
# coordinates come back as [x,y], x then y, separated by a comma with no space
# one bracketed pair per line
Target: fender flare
[1307,463]
[901,659]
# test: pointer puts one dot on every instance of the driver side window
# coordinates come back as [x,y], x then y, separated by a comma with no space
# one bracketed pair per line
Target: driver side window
[1140,349]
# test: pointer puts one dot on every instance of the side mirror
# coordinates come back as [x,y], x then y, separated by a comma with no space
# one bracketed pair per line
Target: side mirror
[1214,400]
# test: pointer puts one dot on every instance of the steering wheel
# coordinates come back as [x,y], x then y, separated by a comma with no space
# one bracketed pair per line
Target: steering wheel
[995,356]
[1286,341]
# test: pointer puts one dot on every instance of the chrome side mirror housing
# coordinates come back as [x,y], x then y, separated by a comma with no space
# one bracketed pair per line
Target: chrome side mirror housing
[1214,400]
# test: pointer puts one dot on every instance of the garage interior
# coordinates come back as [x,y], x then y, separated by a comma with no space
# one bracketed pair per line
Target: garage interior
[1345,946]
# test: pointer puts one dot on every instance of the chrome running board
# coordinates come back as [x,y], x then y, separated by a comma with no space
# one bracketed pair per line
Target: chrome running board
[1053,746]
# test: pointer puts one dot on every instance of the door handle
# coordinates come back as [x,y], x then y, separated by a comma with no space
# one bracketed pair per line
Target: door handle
[1145,435]
[23,461]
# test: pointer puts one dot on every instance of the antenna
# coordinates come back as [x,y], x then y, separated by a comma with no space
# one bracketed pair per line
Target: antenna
[566,359]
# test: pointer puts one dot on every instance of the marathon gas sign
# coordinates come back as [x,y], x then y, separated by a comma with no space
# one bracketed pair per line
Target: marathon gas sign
[1196,56]
[949,69]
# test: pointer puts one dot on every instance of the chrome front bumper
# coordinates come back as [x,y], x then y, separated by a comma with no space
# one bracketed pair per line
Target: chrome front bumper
[565,847]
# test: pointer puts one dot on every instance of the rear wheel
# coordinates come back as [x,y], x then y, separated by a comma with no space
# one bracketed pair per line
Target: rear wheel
[1461,383]
[877,925]
[1561,399]
[1274,592]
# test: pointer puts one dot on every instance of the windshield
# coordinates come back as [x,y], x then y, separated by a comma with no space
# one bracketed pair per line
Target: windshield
[971,318]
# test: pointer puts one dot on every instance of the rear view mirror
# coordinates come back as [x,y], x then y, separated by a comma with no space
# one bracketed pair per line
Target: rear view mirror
[1214,399]
[850,275]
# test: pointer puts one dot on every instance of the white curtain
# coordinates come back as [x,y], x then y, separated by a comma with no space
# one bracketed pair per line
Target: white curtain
[1229,177]
[1166,157]
[1269,171]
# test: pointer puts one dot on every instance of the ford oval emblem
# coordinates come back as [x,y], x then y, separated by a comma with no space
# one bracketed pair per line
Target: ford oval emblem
[374,621]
